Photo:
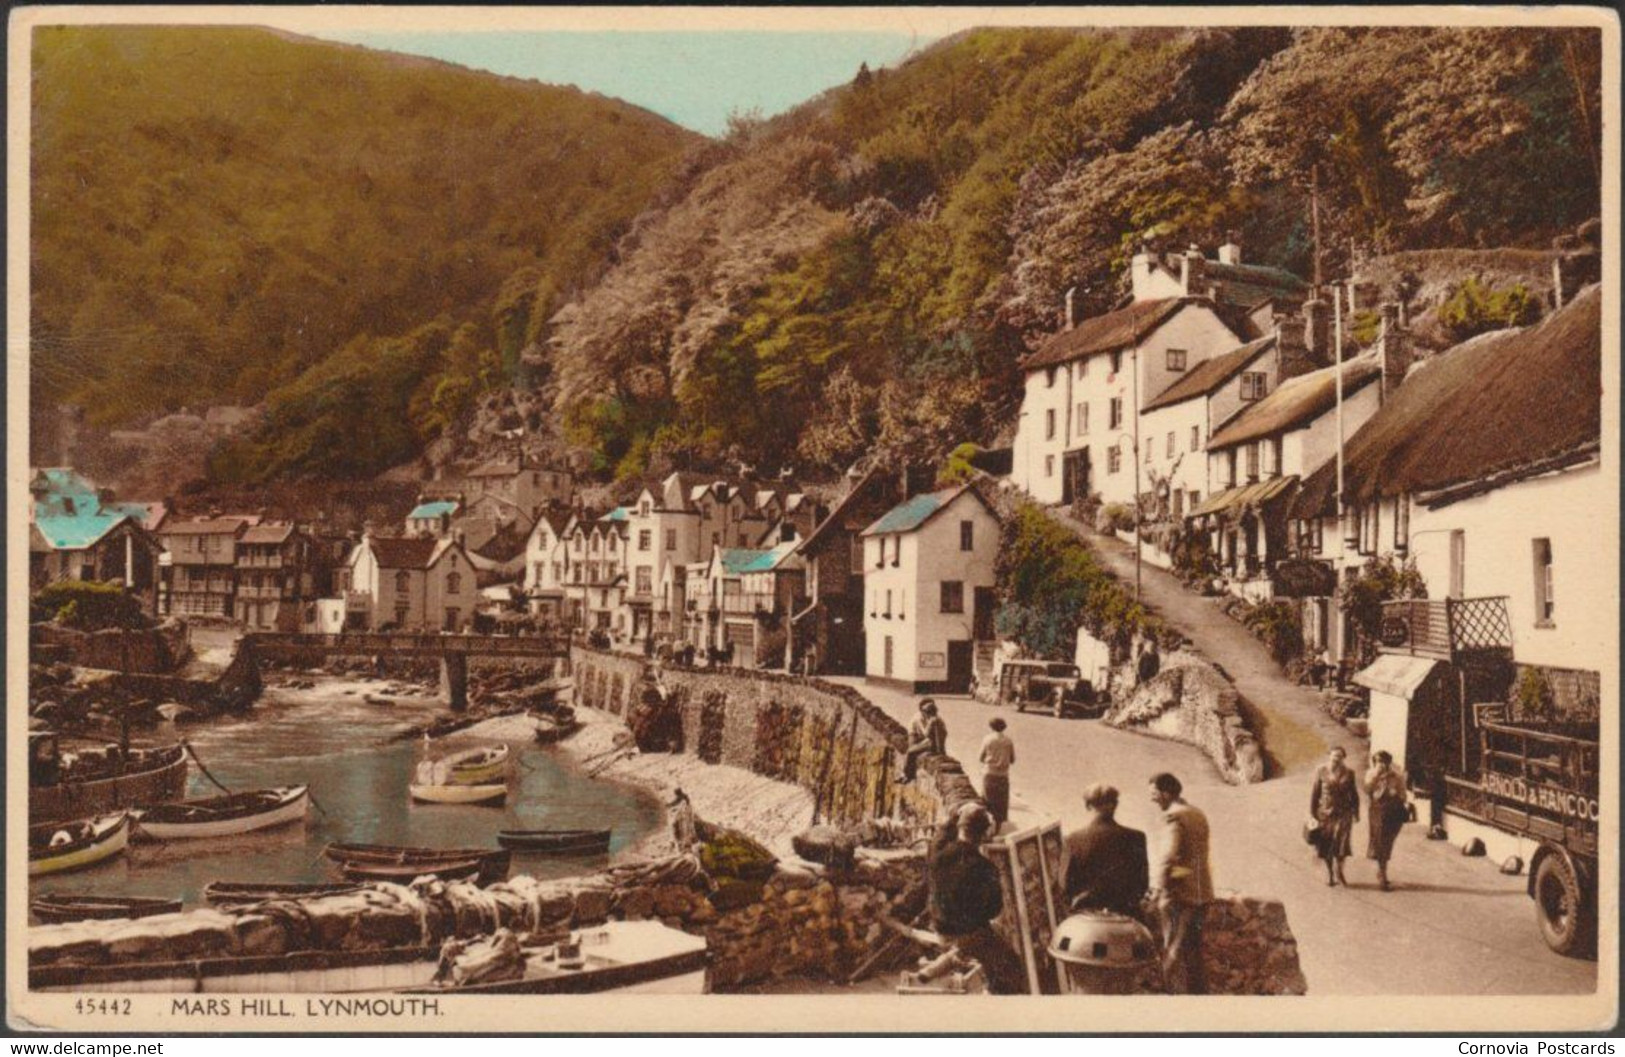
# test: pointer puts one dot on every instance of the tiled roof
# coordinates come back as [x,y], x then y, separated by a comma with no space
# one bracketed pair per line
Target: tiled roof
[916,511]
[1210,374]
[1498,406]
[1105,333]
[267,534]
[495,468]
[432,509]
[1296,402]
[219,526]
[404,553]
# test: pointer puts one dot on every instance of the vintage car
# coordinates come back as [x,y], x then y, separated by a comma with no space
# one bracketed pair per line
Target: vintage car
[1053,685]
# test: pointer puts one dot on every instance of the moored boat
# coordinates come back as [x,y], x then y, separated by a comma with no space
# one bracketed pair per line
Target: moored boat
[406,873]
[57,847]
[483,766]
[221,816]
[617,957]
[493,862]
[551,729]
[54,908]
[69,785]
[492,795]
[556,841]
[243,893]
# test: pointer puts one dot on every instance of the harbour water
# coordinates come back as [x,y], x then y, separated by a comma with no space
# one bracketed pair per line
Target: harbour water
[330,738]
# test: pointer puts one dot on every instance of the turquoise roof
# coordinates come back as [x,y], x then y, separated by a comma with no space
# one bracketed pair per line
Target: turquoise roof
[766,561]
[738,560]
[620,513]
[913,512]
[60,480]
[72,532]
[433,509]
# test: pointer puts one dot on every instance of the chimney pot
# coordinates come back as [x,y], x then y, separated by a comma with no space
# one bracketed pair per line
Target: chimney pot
[1317,330]
[1394,344]
[1071,307]
[1230,252]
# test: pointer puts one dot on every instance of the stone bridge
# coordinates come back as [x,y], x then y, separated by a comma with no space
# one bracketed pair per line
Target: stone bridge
[452,651]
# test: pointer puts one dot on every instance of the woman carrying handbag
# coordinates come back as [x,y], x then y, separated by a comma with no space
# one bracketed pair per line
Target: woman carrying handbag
[1335,805]
[1385,785]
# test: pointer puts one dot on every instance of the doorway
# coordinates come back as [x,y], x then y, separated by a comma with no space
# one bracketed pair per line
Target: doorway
[959,666]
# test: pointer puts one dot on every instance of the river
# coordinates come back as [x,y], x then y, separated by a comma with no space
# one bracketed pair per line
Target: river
[332,740]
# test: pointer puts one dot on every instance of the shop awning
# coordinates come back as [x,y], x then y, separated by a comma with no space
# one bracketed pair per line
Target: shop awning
[1250,495]
[1396,674]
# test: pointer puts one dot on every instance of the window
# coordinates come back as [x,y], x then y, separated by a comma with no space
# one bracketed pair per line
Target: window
[645,580]
[671,539]
[887,613]
[1369,515]
[1083,419]
[1083,368]
[1049,466]
[454,583]
[1254,384]
[1117,361]
[967,535]
[953,596]
[1049,424]
[880,555]
[645,539]
[1176,359]
[1196,437]
[1252,461]
[403,582]
[1545,603]
[1170,444]
[643,508]
[1196,499]
[1275,446]
[558,573]
[609,544]
[1266,458]
[896,551]
[1049,378]
[1115,418]
[454,617]
[401,610]
[1114,458]
[1179,504]
[1230,468]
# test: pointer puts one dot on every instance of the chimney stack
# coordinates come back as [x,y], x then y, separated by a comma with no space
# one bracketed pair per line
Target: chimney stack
[1230,252]
[1394,345]
[1292,353]
[1192,269]
[1317,337]
[1071,307]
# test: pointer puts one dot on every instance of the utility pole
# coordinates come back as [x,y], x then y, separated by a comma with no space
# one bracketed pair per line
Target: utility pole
[1137,511]
[1337,344]
[1314,215]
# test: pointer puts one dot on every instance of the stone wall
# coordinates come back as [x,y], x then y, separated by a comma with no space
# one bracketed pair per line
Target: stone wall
[153,650]
[1190,701]
[828,739]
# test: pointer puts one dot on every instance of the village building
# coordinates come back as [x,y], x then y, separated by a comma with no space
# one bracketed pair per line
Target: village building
[831,625]
[432,517]
[274,577]
[928,577]
[603,585]
[546,558]
[202,565]
[409,584]
[521,480]
[1484,471]
[1256,461]
[77,532]
[743,599]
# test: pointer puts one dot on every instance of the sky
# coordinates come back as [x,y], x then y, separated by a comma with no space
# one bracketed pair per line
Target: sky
[696,79]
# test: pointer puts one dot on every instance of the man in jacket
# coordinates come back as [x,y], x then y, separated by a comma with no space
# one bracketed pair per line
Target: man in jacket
[926,735]
[1106,866]
[965,897]
[1183,886]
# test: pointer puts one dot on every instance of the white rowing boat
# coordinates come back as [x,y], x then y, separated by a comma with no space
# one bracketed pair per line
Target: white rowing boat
[58,847]
[223,816]
[430,793]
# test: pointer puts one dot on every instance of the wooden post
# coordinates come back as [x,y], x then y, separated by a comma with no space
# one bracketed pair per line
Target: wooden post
[454,680]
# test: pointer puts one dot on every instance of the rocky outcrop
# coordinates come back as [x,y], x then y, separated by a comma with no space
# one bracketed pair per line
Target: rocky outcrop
[151,650]
[1190,701]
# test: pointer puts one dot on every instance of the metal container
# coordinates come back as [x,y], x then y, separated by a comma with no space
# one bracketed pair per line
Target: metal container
[1101,952]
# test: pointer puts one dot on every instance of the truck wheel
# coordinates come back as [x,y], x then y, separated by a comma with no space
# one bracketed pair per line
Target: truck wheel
[1560,907]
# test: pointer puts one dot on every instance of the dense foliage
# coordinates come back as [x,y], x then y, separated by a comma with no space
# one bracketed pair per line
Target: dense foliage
[1379,580]
[1050,584]
[222,213]
[1475,308]
[87,606]
[860,275]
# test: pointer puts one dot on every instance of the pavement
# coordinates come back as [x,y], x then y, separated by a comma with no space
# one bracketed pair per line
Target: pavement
[1453,925]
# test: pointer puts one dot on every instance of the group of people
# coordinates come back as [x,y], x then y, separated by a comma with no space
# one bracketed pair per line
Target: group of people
[1334,806]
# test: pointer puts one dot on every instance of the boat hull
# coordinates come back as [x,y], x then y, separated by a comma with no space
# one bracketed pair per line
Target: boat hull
[57,909]
[459,794]
[563,842]
[293,809]
[245,893]
[406,873]
[166,780]
[106,846]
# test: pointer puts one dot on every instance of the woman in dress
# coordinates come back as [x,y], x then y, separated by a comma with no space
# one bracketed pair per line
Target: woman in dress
[1386,787]
[1335,806]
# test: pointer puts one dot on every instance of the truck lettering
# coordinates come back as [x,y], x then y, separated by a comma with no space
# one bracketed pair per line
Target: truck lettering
[1544,797]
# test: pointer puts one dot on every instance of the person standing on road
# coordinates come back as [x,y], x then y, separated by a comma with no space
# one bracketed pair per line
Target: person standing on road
[1335,805]
[1385,785]
[998,753]
[965,897]
[1182,887]
[927,734]
[1106,866]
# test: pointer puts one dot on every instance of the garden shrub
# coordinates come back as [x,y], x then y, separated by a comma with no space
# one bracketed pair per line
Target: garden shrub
[1278,626]
[88,606]
[1475,308]
[1379,580]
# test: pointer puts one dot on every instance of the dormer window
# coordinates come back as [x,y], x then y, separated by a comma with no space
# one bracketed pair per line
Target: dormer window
[1176,359]
[1254,385]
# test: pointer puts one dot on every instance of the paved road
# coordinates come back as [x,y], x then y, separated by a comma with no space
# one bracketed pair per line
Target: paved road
[1453,925]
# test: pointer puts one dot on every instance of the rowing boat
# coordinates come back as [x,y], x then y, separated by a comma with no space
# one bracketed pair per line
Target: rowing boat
[57,847]
[556,841]
[551,729]
[55,907]
[483,766]
[494,862]
[243,893]
[493,795]
[406,873]
[616,957]
[222,816]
